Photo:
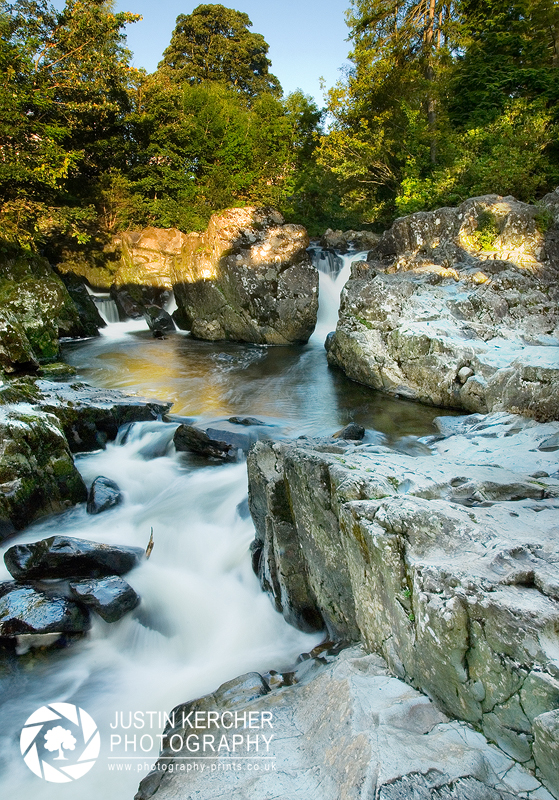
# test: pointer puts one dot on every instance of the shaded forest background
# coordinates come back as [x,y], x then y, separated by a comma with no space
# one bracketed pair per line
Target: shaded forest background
[444,100]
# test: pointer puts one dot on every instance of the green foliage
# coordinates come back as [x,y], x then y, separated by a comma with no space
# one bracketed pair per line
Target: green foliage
[544,220]
[443,102]
[63,102]
[487,231]
[214,44]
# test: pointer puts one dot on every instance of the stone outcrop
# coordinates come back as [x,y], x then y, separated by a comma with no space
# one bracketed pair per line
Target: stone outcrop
[444,563]
[247,278]
[37,471]
[350,730]
[344,240]
[459,308]
[36,310]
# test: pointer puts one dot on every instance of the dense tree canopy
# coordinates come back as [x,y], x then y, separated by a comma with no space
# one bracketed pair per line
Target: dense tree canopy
[215,44]
[444,99]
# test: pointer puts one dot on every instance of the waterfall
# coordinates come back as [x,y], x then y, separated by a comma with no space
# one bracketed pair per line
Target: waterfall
[333,273]
[106,306]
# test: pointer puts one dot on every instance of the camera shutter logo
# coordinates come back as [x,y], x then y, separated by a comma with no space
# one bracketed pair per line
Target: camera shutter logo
[60,743]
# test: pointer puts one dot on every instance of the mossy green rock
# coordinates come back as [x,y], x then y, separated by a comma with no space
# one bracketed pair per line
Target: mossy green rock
[35,303]
[16,352]
[37,471]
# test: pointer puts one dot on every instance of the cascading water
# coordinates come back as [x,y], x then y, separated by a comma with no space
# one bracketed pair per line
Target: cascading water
[203,618]
[334,270]
[106,306]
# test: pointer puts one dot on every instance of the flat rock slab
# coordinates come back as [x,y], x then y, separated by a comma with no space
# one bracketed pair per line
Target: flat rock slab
[352,731]
[445,562]
[27,610]
[110,597]
[65,557]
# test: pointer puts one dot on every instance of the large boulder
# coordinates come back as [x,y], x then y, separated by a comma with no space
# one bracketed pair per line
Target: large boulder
[351,731]
[459,307]
[445,563]
[66,557]
[37,471]
[247,278]
[40,303]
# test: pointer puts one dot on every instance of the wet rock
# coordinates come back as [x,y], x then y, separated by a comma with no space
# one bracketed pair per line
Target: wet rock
[26,610]
[37,471]
[90,417]
[191,439]
[103,494]
[352,431]
[441,549]
[348,728]
[245,421]
[247,278]
[239,440]
[159,321]
[66,557]
[457,307]
[110,597]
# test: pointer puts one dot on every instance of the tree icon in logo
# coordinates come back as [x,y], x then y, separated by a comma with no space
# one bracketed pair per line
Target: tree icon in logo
[54,729]
[58,738]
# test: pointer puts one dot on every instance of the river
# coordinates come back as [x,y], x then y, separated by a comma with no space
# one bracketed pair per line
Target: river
[203,618]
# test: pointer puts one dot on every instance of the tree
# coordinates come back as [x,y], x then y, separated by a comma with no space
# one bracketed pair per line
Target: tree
[214,44]
[58,738]
[63,105]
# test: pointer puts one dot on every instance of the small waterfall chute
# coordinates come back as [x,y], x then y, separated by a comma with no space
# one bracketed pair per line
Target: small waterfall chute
[334,270]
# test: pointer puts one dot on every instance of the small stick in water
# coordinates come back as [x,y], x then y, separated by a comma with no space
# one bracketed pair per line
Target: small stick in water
[149,548]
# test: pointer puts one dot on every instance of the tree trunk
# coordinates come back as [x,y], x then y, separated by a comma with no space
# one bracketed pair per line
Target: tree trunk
[430,75]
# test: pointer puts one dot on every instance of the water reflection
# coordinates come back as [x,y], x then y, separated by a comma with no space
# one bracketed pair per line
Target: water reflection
[293,385]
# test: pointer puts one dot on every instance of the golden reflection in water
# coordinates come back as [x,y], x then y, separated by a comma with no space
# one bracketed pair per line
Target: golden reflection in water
[292,386]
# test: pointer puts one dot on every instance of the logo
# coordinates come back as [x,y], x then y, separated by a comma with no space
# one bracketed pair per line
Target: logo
[60,743]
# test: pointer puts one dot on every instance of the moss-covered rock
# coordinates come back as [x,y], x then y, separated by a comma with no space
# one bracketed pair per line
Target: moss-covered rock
[16,352]
[37,471]
[36,311]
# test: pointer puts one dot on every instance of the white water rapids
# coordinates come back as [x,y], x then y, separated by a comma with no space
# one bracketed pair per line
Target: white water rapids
[203,618]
